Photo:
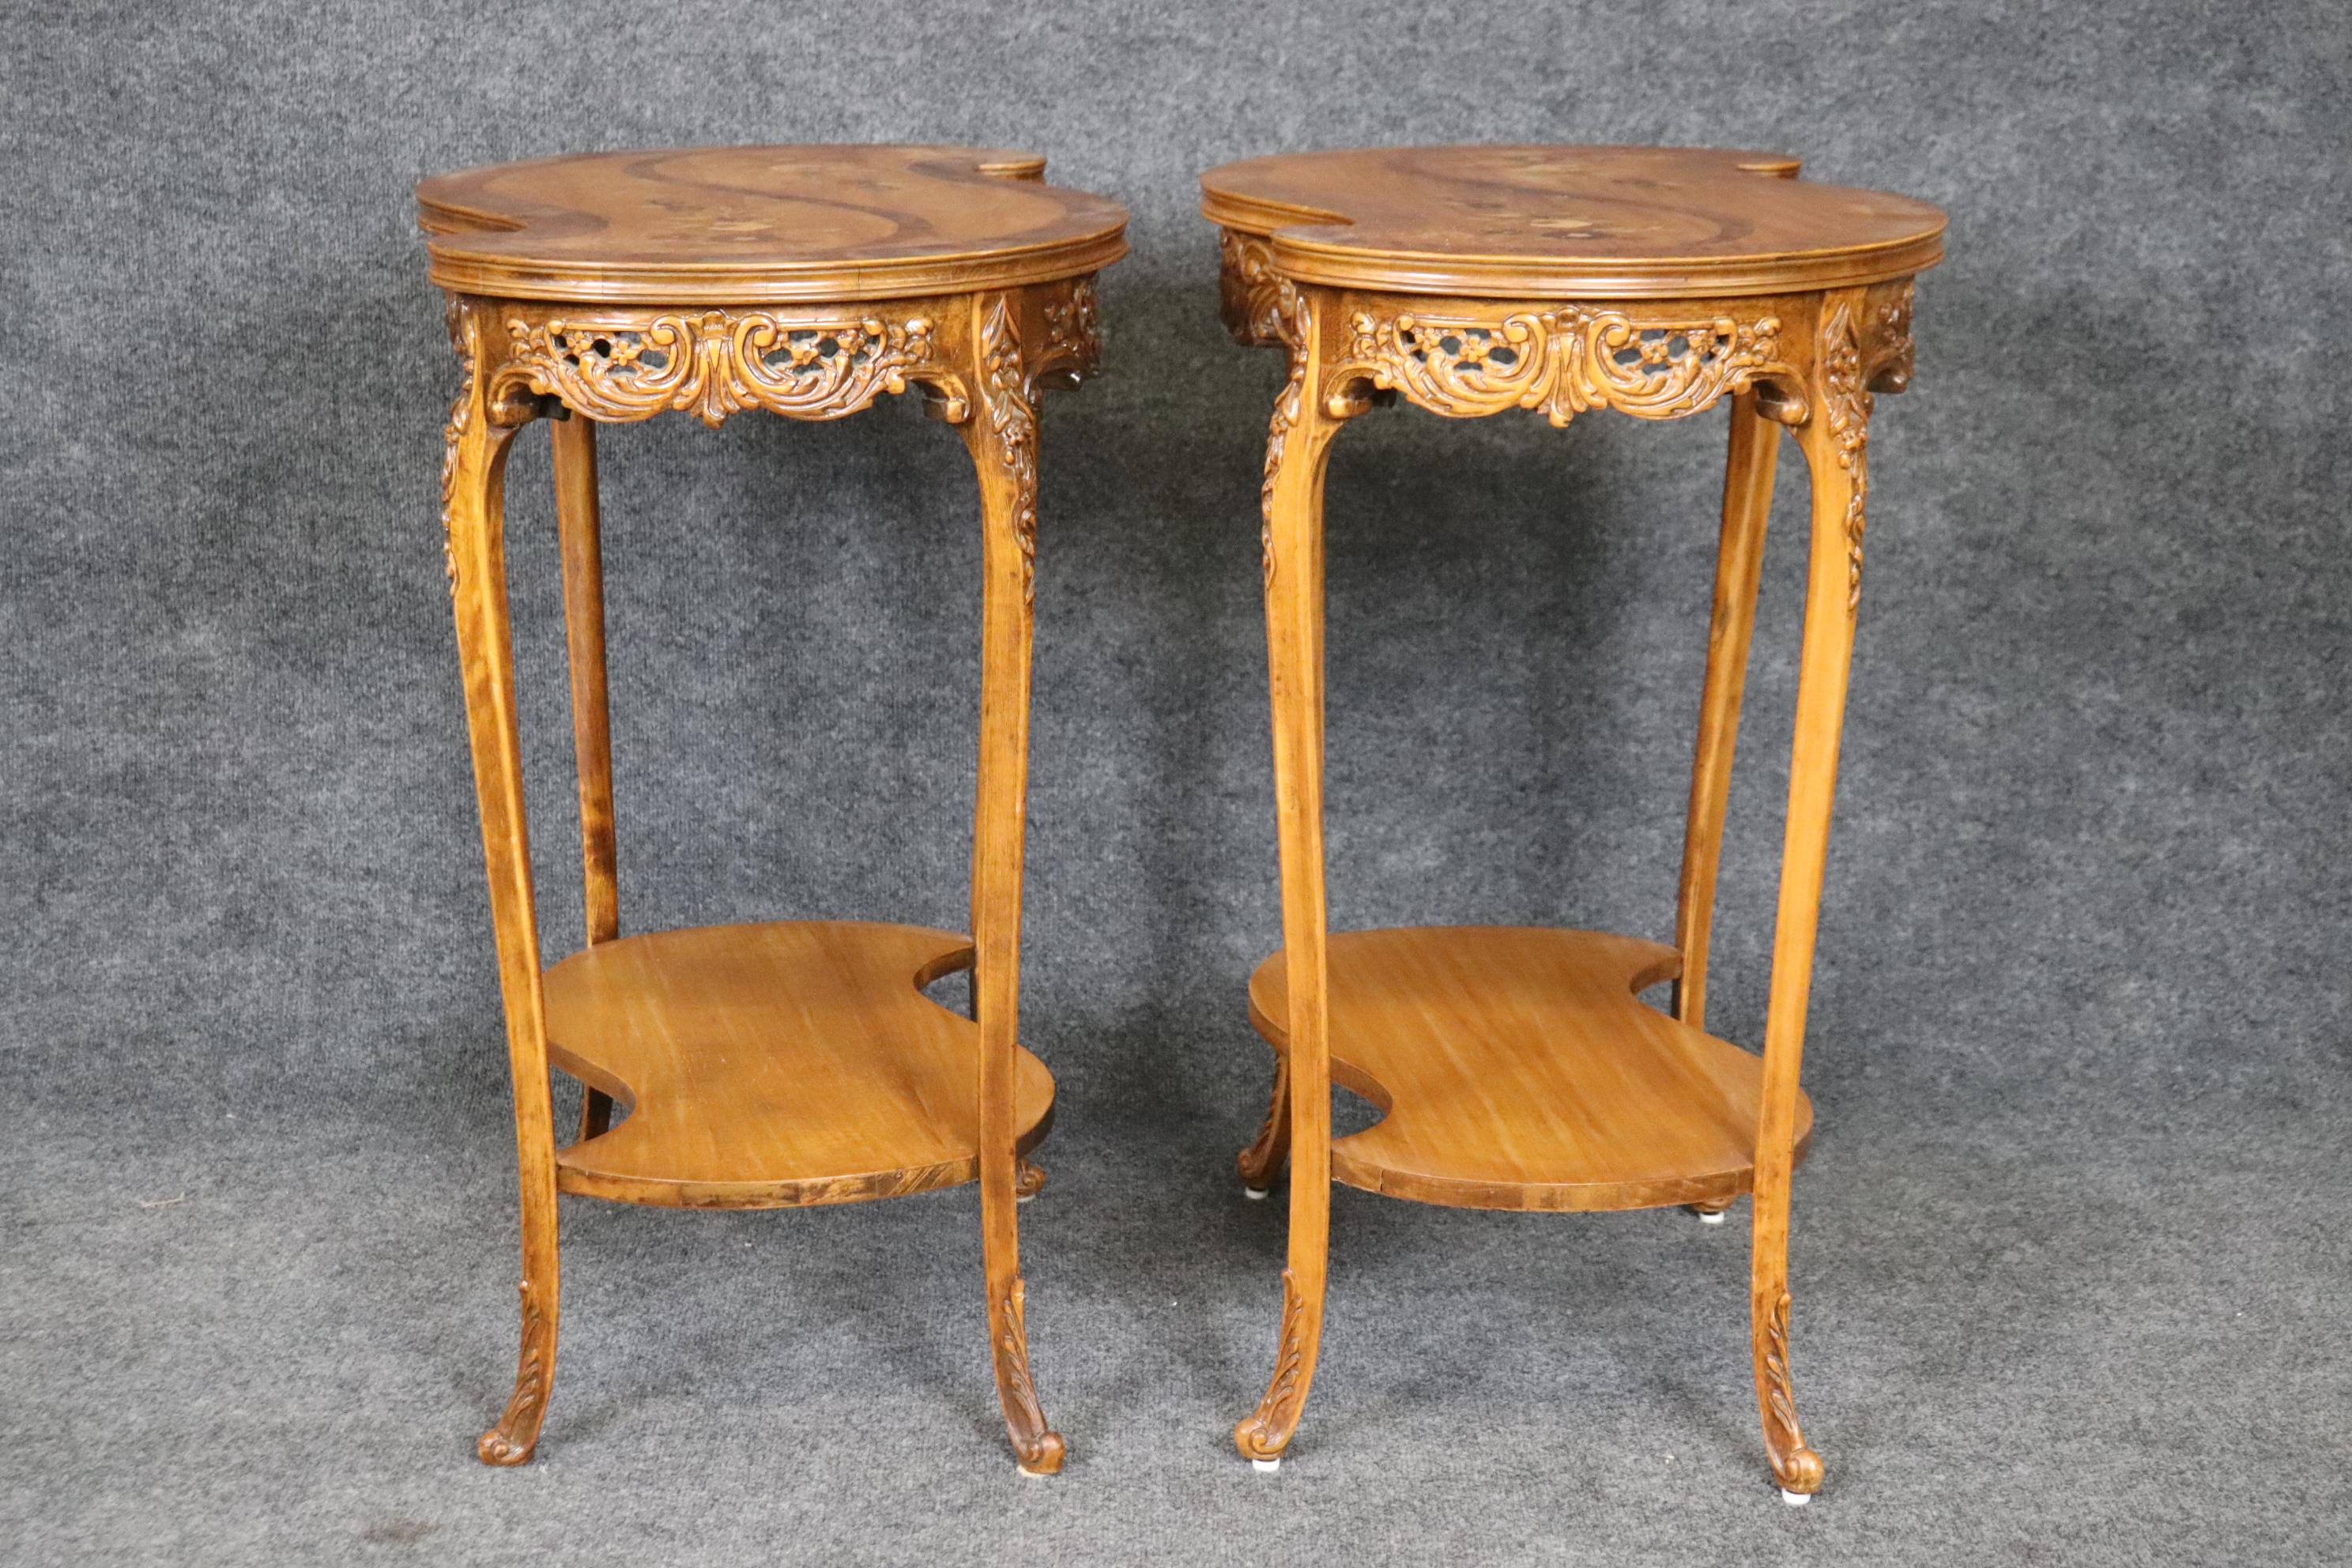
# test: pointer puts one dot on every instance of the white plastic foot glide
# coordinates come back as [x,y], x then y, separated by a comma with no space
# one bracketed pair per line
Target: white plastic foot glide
[1716,1217]
[1795,1500]
[1022,1198]
[1266,1467]
[1257,1194]
[1029,1475]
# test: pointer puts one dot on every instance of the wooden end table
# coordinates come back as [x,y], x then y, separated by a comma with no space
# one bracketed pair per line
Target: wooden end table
[1515,1068]
[795,1063]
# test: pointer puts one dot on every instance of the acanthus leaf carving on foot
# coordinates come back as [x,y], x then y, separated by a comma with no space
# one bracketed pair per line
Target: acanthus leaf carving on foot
[1797,1467]
[1266,1431]
[516,1437]
[1039,1447]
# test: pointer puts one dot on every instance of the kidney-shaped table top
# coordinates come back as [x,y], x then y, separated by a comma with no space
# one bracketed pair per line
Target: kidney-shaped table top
[763,225]
[1554,222]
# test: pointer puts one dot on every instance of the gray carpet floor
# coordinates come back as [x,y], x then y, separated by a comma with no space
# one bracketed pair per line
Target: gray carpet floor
[2079,1332]
[2071,1270]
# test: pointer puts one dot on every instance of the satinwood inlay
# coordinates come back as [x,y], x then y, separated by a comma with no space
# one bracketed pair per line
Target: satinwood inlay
[739,226]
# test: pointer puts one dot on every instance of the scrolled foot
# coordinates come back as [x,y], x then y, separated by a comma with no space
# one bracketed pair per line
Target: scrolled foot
[1042,1455]
[1266,1431]
[516,1437]
[501,1448]
[1796,1467]
[1038,1446]
[1800,1475]
[1028,1181]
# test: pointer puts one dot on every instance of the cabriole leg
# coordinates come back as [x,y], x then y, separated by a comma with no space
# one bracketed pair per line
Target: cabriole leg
[473,514]
[1835,441]
[1003,442]
[1297,443]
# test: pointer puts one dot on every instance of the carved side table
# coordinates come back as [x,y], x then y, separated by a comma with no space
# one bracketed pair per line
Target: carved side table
[796,1063]
[1515,1068]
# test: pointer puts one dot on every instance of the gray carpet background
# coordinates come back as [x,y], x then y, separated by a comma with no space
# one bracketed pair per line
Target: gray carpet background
[2071,1267]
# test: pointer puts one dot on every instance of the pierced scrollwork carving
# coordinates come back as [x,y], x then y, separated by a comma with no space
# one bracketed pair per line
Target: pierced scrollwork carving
[1266,1431]
[1563,361]
[1006,395]
[1846,406]
[1249,295]
[622,366]
[466,337]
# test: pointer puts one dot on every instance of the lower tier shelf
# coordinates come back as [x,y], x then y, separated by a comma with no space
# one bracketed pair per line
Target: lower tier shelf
[778,1065]
[1518,1070]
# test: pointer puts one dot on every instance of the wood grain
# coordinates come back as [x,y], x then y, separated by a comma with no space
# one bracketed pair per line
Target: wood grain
[1518,1070]
[579,522]
[1515,1066]
[1298,441]
[763,225]
[478,438]
[1739,563]
[785,1064]
[1002,439]
[777,1065]
[1568,222]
